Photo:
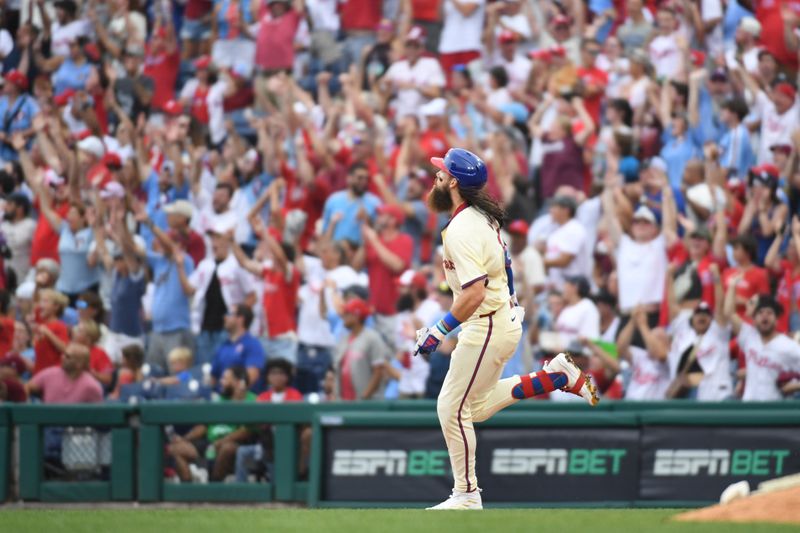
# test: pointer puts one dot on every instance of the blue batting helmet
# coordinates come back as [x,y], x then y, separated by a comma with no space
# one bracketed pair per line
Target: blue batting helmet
[467,168]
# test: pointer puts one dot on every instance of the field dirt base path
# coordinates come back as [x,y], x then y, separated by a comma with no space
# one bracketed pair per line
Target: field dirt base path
[779,507]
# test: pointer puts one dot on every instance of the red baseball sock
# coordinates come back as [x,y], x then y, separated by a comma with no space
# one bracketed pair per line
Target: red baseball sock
[540,382]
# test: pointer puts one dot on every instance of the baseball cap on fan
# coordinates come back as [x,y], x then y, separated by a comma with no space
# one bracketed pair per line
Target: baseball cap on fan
[645,213]
[241,70]
[17,78]
[698,58]
[395,211]
[563,200]
[639,56]
[785,89]
[134,50]
[781,147]
[507,36]
[52,178]
[701,232]
[751,26]
[416,280]
[657,163]
[112,161]
[173,108]
[562,20]
[218,227]
[92,145]
[518,227]
[720,74]
[766,174]
[203,62]
[702,307]
[629,168]
[434,108]
[63,98]
[358,307]
[112,189]
[415,35]
[180,207]
[14,361]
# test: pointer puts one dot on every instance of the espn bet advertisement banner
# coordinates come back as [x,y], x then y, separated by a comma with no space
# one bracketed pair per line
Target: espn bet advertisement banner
[385,465]
[519,465]
[558,465]
[697,463]
[408,465]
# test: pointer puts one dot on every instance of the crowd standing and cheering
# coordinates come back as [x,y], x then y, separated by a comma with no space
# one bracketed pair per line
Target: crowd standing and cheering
[227,199]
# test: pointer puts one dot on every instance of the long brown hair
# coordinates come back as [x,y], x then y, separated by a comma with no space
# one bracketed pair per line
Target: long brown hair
[480,199]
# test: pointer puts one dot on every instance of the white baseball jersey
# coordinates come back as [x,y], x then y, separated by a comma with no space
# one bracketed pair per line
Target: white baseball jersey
[713,356]
[650,378]
[641,270]
[569,238]
[235,282]
[474,253]
[426,71]
[579,320]
[765,362]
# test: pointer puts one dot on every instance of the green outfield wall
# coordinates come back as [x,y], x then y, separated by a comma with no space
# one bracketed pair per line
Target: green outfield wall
[392,454]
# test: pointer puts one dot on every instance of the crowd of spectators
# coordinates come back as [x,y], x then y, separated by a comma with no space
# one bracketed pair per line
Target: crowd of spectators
[227,199]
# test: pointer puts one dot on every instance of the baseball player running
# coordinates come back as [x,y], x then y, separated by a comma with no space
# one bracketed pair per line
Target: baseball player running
[478,269]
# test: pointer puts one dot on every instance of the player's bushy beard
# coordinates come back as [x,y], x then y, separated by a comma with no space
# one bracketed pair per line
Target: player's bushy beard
[439,200]
[226,392]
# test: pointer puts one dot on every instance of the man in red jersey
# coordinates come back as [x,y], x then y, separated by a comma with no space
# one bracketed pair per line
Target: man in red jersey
[778,19]
[386,254]
[359,18]
[162,63]
[750,279]
[45,239]
[50,333]
[281,283]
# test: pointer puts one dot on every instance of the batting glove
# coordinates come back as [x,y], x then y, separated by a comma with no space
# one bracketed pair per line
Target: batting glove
[428,339]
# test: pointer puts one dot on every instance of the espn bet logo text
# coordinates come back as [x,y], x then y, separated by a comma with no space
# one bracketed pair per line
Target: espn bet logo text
[557,461]
[390,463]
[684,462]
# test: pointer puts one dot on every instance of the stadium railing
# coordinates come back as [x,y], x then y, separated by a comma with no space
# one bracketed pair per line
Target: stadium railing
[5,453]
[137,437]
[31,422]
[285,420]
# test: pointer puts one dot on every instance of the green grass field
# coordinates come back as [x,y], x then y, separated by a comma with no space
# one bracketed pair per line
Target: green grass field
[253,520]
